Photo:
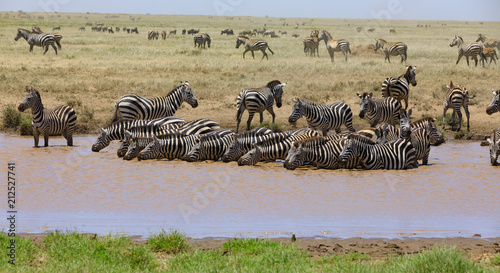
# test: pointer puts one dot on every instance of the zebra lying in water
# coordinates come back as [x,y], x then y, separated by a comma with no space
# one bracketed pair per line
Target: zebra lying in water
[494,142]
[211,146]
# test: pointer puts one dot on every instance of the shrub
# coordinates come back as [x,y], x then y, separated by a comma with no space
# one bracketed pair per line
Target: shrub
[11,117]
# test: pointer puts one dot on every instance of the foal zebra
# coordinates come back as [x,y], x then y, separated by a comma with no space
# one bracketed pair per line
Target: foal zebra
[392,49]
[201,39]
[137,107]
[399,88]
[258,100]
[55,121]
[335,45]
[488,42]
[494,142]
[153,34]
[253,45]
[467,50]
[457,96]
[384,110]
[495,103]
[436,138]
[322,117]
[489,52]
[41,40]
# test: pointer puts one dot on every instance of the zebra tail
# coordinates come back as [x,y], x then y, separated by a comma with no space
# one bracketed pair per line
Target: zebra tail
[115,114]
[239,107]
[271,50]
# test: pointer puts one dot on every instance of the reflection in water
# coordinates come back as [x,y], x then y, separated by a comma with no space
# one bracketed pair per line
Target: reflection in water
[70,188]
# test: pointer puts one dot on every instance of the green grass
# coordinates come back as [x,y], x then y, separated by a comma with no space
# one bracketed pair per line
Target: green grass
[170,243]
[11,117]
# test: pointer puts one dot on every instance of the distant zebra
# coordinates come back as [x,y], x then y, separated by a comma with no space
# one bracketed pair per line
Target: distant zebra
[456,97]
[494,142]
[227,31]
[392,49]
[174,32]
[322,117]
[42,40]
[311,43]
[258,100]
[398,154]
[467,50]
[201,39]
[489,52]
[494,104]
[335,45]
[153,34]
[81,29]
[399,88]
[55,121]
[163,34]
[253,45]
[488,42]
[137,107]
[57,36]
[56,28]
[211,146]
[377,111]
[436,138]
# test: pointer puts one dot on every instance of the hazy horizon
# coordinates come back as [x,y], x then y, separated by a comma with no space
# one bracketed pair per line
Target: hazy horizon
[481,10]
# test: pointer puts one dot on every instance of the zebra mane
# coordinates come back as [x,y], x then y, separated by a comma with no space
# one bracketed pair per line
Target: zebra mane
[329,35]
[250,133]
[382,40]
[273,83]
[361,139]
[307,102]
[173,134]
[311,142]
[424,119]
[23,30]
[175,89]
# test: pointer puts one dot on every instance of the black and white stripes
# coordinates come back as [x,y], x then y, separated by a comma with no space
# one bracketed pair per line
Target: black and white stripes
[399,88]
[457,97]
[253,45]
[201,39]
[379,110]
[495,103]
[467,50]
[392,49]
[42,40]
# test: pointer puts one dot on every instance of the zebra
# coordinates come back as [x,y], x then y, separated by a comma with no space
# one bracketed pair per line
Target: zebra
[311,43]
[491,53]
[211,146]
[116,130]
[488,42]
[242,143]
[137,107]
[494,142]
[456,97]
[169,146]
[436,138]
[322,117]
[57,36]
[42,40]
[201,39]
[55,121]
[335,45]
[269,32]
[258,100]
[253,45]
[273,149]
[174,32]
[81,29]
[467,50]
[379,110]
[153,34]
[399,88]
[397,154]
[394,49]
[56,28]
[495,103]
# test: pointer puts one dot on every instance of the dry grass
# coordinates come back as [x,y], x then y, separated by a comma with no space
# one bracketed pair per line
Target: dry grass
[94,69]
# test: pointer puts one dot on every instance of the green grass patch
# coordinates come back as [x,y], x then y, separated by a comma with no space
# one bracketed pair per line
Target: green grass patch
[173,242]
[11,117]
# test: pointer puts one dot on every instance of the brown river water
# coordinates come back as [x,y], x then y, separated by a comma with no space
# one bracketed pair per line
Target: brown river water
[72,188]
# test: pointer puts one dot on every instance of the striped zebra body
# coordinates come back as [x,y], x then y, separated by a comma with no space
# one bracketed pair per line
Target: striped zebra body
[143,131]
[211,146]
[257,100]
[335,45]
[253,45]
[377,111]
[322,117]
[311,46]
[494,142]
[467,50]
[399,88]
[116,130]
[397,154]
[41,40]
[488,42]
[420,139]
[456,97]
[153,34]
[55,121]
[436,138]
[168,146]
[201,39]
[392,49]
[495,103]
[242,143]
[137,107]
[489,52]
[273,149]
[57,36]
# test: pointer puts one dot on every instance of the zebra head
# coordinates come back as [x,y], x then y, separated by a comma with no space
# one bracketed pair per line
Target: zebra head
[102,141]
[495,103]
[127,136]
[188,95]
[21,33]
[234,151]
[297,111]
[365,103]
[405,123]
[382,132]
[277,90]
[378,44]
[410,75]
[240,40]
[349,150]
[436,138]
[494,148]
[457,41]
[133,149]
[251,157]
[31,100]
[295,157]
[194,154]
[480,38]
[152,150]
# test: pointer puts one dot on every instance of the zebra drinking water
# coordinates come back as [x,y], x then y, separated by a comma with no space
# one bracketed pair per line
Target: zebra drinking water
[55,121]
[495,103]
[494,142]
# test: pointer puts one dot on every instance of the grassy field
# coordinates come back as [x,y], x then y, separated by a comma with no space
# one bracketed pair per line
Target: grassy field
[172,252]
[94,69]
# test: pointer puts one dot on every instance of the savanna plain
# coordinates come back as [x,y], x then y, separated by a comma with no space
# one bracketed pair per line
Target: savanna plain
[94,69]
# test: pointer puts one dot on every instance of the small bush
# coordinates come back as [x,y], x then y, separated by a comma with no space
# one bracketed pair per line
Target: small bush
[85,115]
[11,116]
[171,243]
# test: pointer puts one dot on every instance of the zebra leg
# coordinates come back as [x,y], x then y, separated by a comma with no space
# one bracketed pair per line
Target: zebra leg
[453,120]
[36,136]
[467,114]
[46,49]
[262,117]
[31,48]
[467,58]
[444,114]
[46,138]
[54,47]
[264,54]
[244,53]
[239,113]
[68,136]
[459,113]
[460,56]
[249,121]
[271,111]
[475,60]
[406,103]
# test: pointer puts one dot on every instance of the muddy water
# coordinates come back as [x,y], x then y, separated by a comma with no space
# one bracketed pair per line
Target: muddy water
[72,188]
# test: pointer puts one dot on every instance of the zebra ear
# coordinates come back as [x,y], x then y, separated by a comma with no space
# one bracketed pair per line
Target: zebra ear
[359,95]
[489,141]
[296,100]
[494,92]
[103,130]
[409,112]
[28,90]
[370,95]
[283,84]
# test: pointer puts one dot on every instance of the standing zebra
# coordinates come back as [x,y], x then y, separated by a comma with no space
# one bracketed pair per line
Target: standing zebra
[399,88]
[392,49]
[201,39]
[311,46]
[153,34]
[42,40]
[137,107]
[335,45]
[495,103]
[491,53]
[436,138]
[494,142]
[379,110]
[488,42]
[253,45]
[57,36]
[322,117]
[456,97]
[55,121]
[467,50]
[258,100]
